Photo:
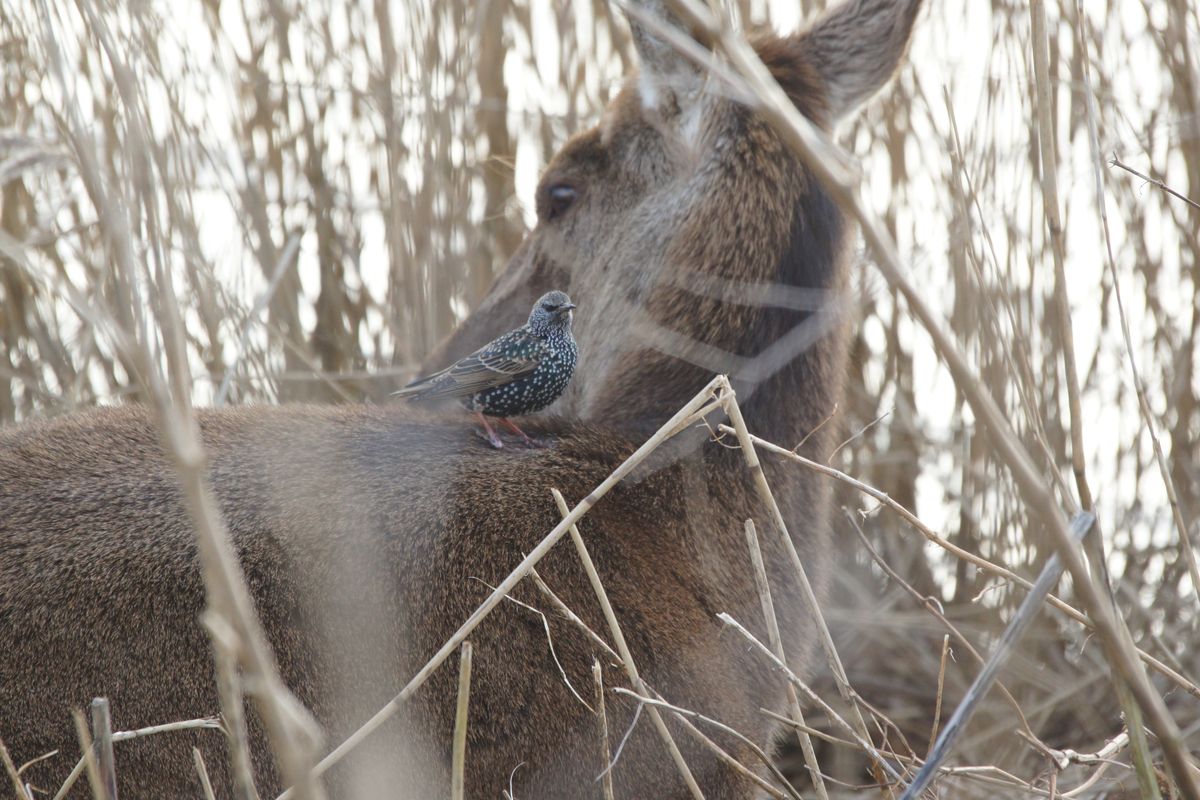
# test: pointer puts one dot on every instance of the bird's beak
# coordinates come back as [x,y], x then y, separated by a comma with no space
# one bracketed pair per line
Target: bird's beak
[565,309]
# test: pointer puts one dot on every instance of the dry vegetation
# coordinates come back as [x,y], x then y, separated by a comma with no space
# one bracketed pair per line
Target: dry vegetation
[331,186]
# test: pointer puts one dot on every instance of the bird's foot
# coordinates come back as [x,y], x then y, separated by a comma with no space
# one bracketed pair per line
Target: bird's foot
[487,434]
[491,438]
[529,441]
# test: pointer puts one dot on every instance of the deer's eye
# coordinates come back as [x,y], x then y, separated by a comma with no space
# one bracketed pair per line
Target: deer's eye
[559,198]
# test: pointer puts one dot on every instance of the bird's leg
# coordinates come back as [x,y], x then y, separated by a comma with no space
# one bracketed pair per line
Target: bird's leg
[512,426]
[491,437]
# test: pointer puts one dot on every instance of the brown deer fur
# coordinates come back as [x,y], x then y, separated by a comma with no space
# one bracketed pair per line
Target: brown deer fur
[696,244]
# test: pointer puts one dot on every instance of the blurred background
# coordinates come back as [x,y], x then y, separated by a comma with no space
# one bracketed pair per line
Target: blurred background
[334,185]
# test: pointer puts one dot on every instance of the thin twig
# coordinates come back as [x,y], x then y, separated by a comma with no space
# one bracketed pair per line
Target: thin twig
[941,684]
[1116,162]
[572,617]
[863,742]
[124,736]
[549,641]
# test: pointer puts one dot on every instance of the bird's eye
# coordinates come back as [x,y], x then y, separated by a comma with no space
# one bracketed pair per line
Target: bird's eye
[549,306]
[559,198]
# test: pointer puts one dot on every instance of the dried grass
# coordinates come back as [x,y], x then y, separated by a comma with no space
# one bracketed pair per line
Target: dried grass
[330,188]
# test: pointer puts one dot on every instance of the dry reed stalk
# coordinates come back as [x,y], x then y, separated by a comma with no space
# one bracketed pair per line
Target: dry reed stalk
[1181,527]
[99,790]
[13,774]
[1095,545]
[776,641]
[458,754]
[679,422]
[614,628]
[202,773]
[764,491]
[606,781]
[102,735]
[941,684]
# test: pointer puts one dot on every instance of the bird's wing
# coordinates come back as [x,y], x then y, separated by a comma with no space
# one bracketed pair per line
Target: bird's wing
[508,358]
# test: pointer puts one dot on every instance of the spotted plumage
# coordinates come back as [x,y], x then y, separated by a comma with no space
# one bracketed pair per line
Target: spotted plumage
[518,373]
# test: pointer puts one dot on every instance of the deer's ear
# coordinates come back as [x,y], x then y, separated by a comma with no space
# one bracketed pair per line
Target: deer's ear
[666,79]
[856,46]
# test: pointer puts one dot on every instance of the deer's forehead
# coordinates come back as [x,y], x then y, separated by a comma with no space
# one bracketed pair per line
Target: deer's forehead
[627,144]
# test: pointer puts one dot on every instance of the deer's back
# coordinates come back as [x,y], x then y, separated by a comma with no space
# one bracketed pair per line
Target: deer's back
[367,536]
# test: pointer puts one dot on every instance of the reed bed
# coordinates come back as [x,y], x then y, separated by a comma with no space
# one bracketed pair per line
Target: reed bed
[318,192]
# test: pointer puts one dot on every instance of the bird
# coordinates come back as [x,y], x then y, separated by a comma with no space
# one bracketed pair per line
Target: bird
[518,373]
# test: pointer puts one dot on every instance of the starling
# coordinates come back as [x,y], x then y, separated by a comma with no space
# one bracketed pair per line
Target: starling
[519,373]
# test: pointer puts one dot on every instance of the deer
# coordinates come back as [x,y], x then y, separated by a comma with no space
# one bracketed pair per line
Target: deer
[694,243]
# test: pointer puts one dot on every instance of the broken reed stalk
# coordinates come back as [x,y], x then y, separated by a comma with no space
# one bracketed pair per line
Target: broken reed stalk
[202,771]
[458,759]
[89,756]
[824,159]
[102,733]
[776,640]
[1028,611]
[606,781]
[614,627]
[11,769]
[680,421]
[831,655]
